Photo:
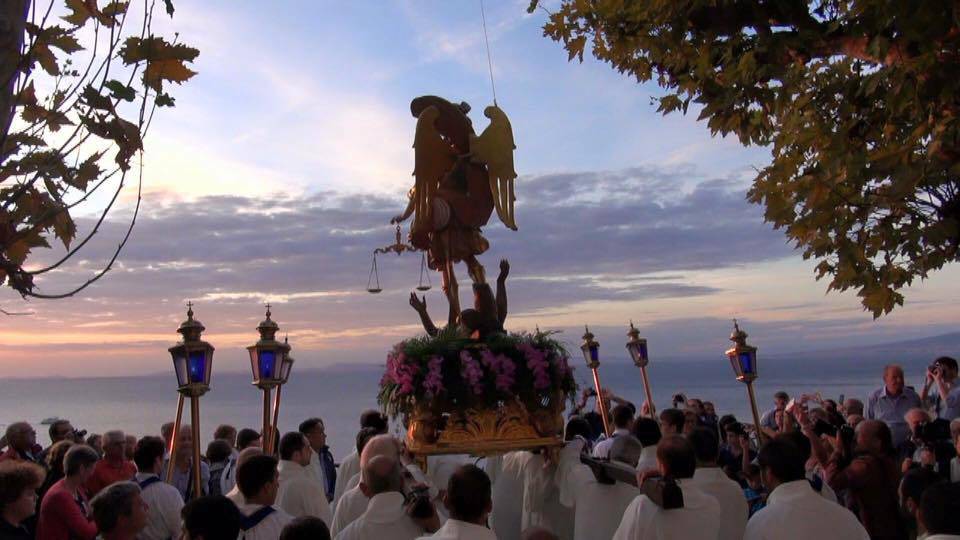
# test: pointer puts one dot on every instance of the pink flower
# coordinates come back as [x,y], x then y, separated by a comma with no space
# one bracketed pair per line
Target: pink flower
[471,372]
[502,367]
[400,371]
[433,383]
[537,364]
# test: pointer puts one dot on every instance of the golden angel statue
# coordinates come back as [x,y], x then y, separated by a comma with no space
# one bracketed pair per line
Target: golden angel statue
[459,178]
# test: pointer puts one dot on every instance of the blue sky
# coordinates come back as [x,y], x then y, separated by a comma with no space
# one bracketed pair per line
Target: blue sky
[276,173]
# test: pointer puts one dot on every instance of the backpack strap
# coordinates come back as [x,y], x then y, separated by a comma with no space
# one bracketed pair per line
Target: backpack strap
[254,519]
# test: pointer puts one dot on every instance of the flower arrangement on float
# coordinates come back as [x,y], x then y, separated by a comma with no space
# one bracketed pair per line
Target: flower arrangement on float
[433,379]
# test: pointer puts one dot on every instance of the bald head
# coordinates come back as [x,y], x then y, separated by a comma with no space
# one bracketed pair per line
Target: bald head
[381,474]
[248,453]
[381,445]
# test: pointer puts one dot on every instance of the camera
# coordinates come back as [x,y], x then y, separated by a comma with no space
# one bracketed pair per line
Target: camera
[824,428]
[930,433]
[679,398]
[79,434]
[418,499]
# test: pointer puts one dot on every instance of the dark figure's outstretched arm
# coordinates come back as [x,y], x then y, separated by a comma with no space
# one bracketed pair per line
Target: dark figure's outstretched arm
[502,291]
[420,306]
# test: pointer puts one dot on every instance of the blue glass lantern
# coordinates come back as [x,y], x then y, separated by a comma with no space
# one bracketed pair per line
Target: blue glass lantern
[743,357]
[637,347]
[591,350]
[192,358]
[267,355]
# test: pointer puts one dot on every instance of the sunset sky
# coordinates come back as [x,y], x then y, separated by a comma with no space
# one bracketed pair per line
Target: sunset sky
[276,174]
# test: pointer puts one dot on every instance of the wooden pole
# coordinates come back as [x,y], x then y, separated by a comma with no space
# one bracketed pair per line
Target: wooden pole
[646,390]
[175,439]
[601,402]
[756,414]
[195,420]
[267,436]
[276,416]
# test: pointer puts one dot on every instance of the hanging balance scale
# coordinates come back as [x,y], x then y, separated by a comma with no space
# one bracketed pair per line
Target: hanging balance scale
[398,247]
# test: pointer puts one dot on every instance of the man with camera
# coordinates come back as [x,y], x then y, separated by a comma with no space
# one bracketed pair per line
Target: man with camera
[929,444]
[942,374]
[62,430]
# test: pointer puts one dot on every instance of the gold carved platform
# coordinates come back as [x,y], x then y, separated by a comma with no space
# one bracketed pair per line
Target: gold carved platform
[486,431]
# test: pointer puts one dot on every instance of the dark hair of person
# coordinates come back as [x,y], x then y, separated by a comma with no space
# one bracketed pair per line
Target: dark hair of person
[784,460]
[468,493]
[723,422]
[780,394]
[577,426]
[647,431]
[705,445]
[218,450]
[56,454]
[800,441]
[255,473]
[79,455]
[246,437]
[676,453]
[373,419]
[673,417]
[622,415]
[147,451]
[224,432]
[55,428]
[17,477]
[947,362]
[213,517]
[112,502]
[291,443]
[363,436]
[735,428]
[885,436]
[916,481]
[305,528]
[940,508]
[309,425]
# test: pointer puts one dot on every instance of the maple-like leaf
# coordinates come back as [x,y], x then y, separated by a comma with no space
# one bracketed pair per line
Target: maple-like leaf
[80,11]
[166,70]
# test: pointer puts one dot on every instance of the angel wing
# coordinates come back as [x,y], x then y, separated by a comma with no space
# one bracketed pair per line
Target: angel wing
[433,158]
[494,147]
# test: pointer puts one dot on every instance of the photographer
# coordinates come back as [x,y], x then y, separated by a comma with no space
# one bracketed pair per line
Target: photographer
[868,472]
[62,430]
[929,444]
[946,402]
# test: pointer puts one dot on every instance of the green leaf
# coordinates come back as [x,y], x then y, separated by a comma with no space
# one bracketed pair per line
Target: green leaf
[80,13]
[169,5]
[121,91]
[164,100]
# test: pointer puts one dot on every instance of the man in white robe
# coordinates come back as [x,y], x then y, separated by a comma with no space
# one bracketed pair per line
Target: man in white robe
[647,431]
[597,506]
[234,494]
[259,482]
[301,494]
[794,510]
[372,423]
[711,479]
[386,515]
[468,501]
[700,515]
[541,499]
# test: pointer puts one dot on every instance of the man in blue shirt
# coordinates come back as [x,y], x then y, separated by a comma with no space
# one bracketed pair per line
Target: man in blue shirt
[890,404]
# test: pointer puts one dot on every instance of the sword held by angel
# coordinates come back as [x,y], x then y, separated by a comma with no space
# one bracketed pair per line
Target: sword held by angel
[459,179]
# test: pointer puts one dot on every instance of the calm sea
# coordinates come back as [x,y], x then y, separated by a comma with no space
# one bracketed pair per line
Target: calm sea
[139,405]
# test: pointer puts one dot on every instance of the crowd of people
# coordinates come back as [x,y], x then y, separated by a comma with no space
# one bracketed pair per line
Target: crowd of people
[815,469]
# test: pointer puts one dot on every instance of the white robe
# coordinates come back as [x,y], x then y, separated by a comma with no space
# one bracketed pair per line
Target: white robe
[352,505]
[461,530]
[269,528]
[163,510]
[300,493]
[697,520]
[348,467]
[733,503]
[541,499]
[795,511]
[597,507]
[385,517]
[648,458]
[507,515]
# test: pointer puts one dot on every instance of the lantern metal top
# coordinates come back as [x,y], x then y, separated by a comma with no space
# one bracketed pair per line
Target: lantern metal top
[268,327]
[191,328]
[738,336]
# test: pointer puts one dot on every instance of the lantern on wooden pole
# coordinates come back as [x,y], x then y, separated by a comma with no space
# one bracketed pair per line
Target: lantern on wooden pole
[591,354]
